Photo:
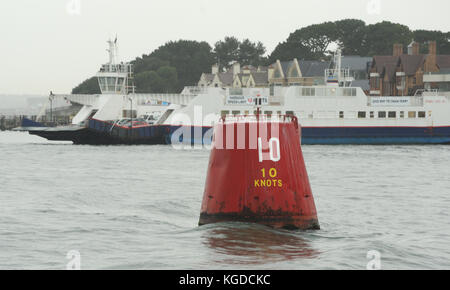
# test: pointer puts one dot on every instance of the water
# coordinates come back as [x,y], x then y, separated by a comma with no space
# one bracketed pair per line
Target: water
[137,207]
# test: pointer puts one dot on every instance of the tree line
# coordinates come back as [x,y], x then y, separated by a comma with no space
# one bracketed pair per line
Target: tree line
[180,63]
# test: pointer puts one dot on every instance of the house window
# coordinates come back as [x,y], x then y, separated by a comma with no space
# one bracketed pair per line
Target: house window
[375,83]
[361,115]
[422,114]
[341,114]
[392,114]
[411,114]
[381,114]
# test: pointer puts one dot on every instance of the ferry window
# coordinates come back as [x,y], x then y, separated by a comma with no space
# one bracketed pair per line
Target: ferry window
[411,114]
[392,114]
[402,114]
[341,114]
[291,113]
[236,113]
[422,114]
[268,113]
[361,114]
[246,113]
[349,92]
[279,113]
[224,113]
[308,92]
[372,115]
[381,114]
[236,91]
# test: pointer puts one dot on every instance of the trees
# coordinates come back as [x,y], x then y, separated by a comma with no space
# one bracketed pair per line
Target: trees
[424,36]
[251,53]
[380,37]
[89,86]
[315,38]
[160,81]
[288,51]
[351,34]
[189,58]
[245,52]
[180,63]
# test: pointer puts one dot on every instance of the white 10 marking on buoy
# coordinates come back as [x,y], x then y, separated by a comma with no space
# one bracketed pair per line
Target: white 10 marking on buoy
[274,155]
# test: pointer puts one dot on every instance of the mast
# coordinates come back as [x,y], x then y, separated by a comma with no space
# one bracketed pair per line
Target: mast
[338,76]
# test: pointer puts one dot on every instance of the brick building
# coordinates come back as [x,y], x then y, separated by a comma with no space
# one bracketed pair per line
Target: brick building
[403,74]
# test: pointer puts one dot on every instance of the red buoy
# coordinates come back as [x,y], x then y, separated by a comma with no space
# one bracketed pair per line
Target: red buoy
[256,173]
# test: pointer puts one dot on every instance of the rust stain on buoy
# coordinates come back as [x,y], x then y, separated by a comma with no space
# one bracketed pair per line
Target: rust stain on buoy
[256,173]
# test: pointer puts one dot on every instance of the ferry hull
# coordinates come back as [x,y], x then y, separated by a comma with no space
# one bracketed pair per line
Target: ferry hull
[341,135]
[104,133]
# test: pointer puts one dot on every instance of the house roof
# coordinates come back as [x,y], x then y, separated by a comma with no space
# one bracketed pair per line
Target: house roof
[285,65]
[390,69]
[363,84]
[355,62]
[312,68]
[260,78]
[380,61]
[209,77]
[411,63]
[443,61]
[226,78]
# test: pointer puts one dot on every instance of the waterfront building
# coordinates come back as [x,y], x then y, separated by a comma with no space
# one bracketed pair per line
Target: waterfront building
[404,74]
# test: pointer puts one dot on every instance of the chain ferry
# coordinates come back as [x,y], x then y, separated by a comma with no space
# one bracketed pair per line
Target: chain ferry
[335,113]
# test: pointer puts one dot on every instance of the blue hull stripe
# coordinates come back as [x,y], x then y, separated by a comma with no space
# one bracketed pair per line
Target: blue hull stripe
[355,135]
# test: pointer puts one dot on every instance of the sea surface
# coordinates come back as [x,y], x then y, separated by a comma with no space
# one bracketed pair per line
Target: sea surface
[137,207]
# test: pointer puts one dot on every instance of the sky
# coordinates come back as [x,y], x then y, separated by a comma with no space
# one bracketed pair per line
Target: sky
[53,45]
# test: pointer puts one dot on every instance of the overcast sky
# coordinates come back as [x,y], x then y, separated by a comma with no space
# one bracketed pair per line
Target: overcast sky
[55,44]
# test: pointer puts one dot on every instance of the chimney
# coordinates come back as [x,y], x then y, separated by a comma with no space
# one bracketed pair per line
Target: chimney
[414,48]
[236,68]
[432,47]
[398,49]
[215,69]
[430,63]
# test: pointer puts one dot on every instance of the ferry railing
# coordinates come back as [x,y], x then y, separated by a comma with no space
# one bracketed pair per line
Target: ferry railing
[421,92]
[180,99]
